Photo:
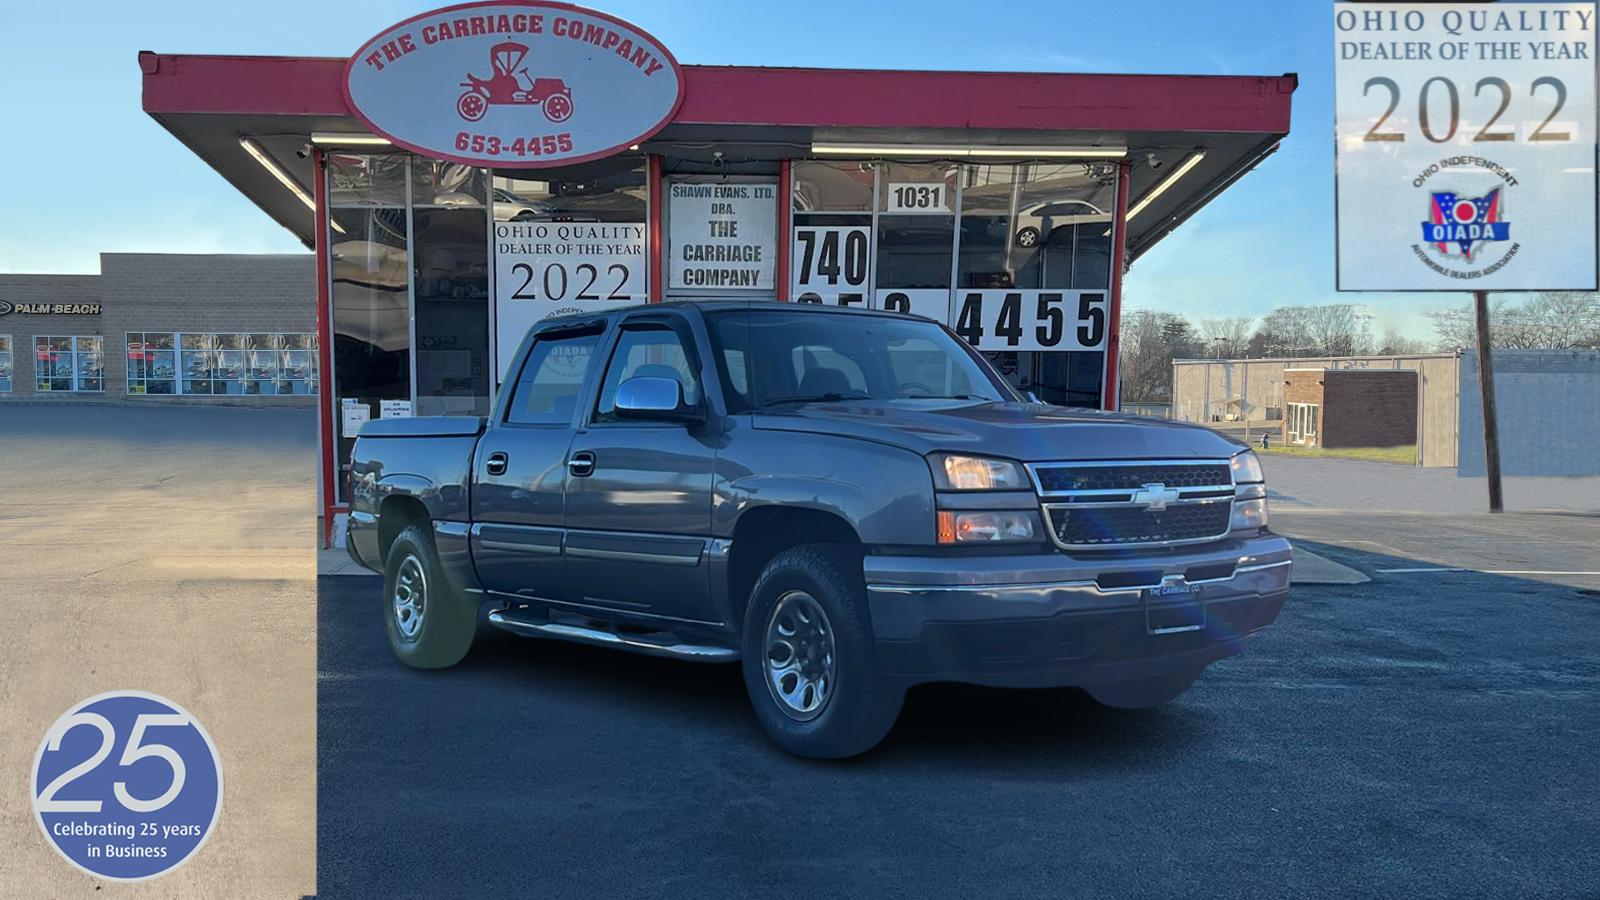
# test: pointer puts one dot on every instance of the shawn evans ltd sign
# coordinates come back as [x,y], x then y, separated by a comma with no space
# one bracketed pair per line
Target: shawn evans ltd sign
[514,84]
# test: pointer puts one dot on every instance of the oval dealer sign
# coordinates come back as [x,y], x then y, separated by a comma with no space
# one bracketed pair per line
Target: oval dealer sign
[514,84]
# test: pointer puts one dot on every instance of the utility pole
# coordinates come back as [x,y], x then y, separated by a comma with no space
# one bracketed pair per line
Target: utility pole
[1491,428]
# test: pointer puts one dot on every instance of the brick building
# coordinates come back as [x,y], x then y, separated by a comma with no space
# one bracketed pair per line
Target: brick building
[178,328]
[1350,407]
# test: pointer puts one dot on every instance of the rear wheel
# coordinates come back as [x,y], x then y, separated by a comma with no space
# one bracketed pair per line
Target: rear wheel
[1144,693]
[430,624]
[808,659]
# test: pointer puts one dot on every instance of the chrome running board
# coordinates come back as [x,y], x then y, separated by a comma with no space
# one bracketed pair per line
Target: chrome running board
[515,621]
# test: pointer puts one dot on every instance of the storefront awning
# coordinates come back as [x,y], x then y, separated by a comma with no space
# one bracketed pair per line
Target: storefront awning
[252,119]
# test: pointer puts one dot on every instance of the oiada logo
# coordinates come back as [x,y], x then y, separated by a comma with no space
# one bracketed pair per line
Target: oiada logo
[1462,230]
[520,83]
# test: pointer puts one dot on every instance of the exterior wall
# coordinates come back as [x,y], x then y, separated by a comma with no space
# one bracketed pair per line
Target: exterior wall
[140,292]
[1369,408]
[1548,406]
[1256,388]
[23,327]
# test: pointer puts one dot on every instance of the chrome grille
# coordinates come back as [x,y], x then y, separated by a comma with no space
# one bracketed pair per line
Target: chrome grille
[1131,504]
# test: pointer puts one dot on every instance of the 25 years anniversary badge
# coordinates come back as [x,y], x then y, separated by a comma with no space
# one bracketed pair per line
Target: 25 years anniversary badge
[127,785]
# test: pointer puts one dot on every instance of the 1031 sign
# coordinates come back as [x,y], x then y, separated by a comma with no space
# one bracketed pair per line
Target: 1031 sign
[1004,319]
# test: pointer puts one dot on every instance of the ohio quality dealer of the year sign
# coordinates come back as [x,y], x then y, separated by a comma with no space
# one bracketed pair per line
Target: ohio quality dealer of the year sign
[514,84]
[1465,155]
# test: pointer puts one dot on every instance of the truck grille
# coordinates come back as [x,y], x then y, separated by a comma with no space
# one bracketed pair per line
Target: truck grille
[1108,505]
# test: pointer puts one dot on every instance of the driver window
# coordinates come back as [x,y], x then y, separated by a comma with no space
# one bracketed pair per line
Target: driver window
[653,351]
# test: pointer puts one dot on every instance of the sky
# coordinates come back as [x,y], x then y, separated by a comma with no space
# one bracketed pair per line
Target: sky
[90,172]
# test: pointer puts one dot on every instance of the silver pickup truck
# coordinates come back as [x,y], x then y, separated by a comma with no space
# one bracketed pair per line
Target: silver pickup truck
[846,502]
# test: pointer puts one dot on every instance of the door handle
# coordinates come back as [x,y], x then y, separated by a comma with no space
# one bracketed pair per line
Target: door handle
[581,464]
[497,463]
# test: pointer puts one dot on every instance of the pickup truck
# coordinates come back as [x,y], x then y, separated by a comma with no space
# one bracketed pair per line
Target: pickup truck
[846,502]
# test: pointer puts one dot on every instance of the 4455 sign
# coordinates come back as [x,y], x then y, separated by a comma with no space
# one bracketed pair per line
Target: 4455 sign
[1007,319]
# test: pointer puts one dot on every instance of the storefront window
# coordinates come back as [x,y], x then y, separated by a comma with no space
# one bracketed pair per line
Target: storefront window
[1034,273]
[68,364]
[5,364]
[438,183]
[611,190]
[916,237]
[369,269]
[152,364]
[451,287]
[831,244]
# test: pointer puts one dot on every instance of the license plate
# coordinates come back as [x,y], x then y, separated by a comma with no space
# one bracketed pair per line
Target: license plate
[1174,607]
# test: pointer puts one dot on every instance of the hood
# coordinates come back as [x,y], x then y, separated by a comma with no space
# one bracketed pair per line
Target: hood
[1028,432]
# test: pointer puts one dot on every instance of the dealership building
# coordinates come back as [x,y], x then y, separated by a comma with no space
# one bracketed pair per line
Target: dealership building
[474,169]
[164,328]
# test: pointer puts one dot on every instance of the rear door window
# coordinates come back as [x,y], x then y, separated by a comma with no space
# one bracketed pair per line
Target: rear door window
[552,378]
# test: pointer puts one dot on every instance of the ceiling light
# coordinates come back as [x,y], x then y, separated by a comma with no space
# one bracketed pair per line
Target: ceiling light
[272,167]
[967,152]
[1166,183]
[341,139]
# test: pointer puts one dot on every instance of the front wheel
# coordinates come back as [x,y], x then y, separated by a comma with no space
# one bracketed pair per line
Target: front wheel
[808,660]
[1144,693]
[430,624]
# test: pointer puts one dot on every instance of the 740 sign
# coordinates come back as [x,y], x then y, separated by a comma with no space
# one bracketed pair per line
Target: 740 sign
[1031,319]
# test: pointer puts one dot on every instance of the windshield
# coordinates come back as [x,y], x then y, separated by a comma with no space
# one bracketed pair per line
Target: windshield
[774,358]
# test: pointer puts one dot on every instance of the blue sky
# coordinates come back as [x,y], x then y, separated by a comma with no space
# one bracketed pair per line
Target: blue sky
[87,170]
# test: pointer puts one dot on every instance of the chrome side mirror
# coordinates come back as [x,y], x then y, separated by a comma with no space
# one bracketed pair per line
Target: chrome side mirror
[650,398]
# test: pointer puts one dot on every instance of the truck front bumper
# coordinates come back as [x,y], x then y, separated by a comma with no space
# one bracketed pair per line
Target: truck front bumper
[1051,620]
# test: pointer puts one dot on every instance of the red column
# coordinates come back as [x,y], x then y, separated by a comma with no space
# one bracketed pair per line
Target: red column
[658,249]
[1110,395]
[329,462]
[785,207]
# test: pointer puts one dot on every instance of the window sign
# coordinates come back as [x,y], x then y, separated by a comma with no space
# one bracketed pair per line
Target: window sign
[933,303]
[918,197]
[1465,146]
[831,264]
[68,364]
[5,363]
[551,268]
[723,236]
[353,414]
[1006,319]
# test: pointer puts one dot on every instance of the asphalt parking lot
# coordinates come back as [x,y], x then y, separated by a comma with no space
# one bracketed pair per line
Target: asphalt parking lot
[165,549]
[1428,733]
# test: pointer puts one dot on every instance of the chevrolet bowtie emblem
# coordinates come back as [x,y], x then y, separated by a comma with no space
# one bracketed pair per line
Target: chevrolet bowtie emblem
[1155,497]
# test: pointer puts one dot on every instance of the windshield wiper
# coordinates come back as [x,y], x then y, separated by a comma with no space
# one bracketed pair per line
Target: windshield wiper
[946,397]
[828,397]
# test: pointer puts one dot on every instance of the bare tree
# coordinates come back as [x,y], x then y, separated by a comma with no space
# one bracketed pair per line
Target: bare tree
[1396,344]
[1227,335]
[1335,329]
[1150,340]
[1552,320]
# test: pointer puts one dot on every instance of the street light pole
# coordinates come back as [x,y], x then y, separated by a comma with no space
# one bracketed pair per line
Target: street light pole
[1491,427]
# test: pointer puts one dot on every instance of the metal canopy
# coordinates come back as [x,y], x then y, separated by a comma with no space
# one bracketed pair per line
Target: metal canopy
[757,116]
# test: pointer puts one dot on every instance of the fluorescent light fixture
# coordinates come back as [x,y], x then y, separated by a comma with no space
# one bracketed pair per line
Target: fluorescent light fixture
[342,139]
[968,152]
[272,167]
[1161,187]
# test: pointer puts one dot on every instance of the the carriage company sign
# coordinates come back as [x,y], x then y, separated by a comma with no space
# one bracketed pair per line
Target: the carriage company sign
[514,84]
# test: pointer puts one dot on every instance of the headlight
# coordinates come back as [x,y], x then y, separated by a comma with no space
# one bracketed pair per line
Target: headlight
[985,527]
[1247,468]
[1250,492]
[952,472]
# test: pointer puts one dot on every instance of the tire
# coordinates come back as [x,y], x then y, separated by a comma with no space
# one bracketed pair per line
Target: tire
[437,631]
[1144,693]
[856,706]
[1028,237]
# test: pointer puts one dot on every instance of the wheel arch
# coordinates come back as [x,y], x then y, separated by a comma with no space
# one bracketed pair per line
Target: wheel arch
[395,514]
[762,532]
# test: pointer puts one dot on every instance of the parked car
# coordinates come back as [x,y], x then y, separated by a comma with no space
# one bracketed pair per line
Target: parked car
[846,502]
[1038,220]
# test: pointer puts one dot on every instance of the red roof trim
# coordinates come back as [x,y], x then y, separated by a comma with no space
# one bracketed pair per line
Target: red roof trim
[830,98]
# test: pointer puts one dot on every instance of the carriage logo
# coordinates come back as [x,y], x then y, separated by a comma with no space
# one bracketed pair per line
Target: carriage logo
[510,84]
[1464,223]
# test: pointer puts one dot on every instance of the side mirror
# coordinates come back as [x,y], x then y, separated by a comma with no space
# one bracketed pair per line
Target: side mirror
[1032,397]
[654,399]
